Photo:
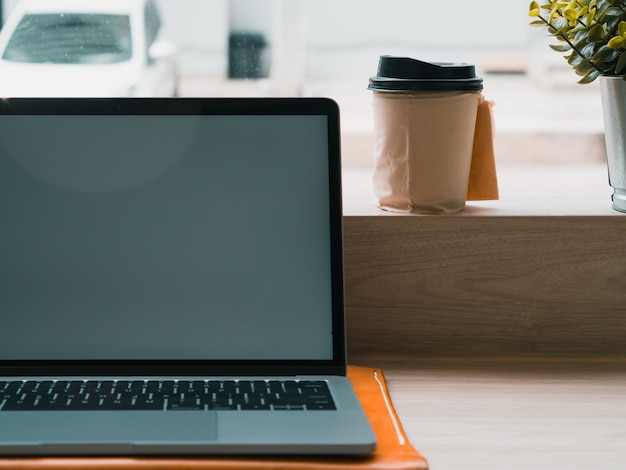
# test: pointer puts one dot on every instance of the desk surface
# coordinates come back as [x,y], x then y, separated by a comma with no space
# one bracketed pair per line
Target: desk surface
[510,414]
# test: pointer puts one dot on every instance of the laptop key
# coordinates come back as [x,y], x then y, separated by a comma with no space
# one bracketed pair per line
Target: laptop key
[288,407]
[149,402]
[185,406]
[11,388]
[255,406]
[222,407]
[17,403]
[320,406]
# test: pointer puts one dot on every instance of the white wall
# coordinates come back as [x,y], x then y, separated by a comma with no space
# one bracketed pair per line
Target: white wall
[345,37]
[251,15]
[200,30]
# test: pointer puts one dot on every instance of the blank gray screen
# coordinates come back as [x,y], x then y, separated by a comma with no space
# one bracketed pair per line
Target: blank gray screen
[164,237]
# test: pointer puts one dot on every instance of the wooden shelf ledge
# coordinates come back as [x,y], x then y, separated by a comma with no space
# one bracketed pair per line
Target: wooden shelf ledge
[500,278]
[597,206]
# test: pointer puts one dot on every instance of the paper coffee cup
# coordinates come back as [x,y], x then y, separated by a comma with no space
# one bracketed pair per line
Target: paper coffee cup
[424,124]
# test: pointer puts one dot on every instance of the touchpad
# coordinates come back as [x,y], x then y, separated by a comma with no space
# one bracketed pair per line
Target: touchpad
[102,427]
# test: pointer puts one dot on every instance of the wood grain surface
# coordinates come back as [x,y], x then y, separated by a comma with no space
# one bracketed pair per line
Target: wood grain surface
[511,413]
[479,284]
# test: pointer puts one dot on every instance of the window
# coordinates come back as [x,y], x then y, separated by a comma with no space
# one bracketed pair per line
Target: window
[309,48]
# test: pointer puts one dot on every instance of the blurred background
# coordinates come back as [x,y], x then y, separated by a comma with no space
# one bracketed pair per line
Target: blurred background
[328,48]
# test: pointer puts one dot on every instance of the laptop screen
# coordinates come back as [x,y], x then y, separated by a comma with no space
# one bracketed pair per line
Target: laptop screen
[185,236]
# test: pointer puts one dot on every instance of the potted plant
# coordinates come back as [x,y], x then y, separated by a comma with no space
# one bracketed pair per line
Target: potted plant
[592,36]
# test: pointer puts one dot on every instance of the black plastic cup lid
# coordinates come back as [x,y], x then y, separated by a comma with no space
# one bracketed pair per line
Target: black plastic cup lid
[402,74]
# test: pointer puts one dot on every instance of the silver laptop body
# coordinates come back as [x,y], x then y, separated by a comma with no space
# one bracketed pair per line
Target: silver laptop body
[179,254]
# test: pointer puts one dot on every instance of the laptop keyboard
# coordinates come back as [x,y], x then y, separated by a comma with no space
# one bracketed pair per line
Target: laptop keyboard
[165,395]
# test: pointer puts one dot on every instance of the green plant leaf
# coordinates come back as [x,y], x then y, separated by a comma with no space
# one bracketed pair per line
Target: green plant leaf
[589,77]
[533,9]
[596,33]
[575,59]
[584,67]
[588,49]
[560,23]
[560,47]
[571,14]
[614,11]
[617,42]
[590,17]
[612,23]
[602,9]
[581,37]
[620,67]
[605,54]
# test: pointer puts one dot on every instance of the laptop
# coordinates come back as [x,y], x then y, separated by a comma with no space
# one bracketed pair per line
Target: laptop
[171,279]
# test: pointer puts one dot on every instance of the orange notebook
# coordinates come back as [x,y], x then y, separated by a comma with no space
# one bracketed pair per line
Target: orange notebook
[394,450]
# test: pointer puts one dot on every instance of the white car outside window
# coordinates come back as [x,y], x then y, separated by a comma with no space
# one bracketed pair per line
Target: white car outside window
[69,48]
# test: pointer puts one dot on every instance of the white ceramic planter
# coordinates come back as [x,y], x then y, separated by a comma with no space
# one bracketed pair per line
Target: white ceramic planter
[613,92]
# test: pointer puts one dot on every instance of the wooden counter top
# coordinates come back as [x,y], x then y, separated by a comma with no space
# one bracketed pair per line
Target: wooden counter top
[511,413]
